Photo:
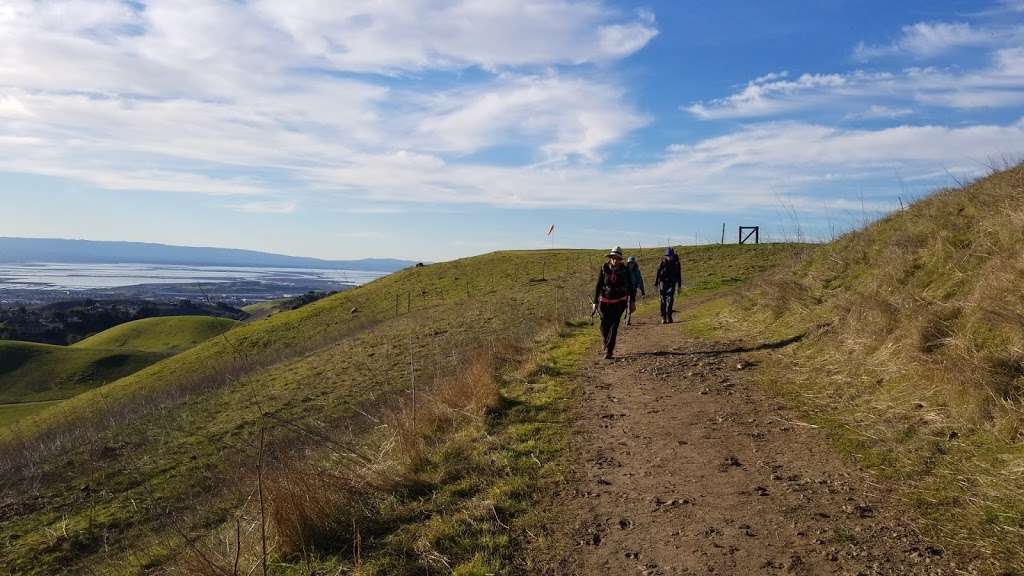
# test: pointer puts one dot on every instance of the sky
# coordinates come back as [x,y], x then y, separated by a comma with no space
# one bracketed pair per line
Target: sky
[435,129]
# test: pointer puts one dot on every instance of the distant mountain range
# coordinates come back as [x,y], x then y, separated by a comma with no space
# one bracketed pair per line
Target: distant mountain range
[17,250]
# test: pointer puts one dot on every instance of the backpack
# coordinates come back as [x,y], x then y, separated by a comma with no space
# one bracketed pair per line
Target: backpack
[616,283]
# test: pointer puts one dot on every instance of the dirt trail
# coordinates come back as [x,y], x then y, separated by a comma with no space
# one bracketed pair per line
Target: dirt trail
[685,467]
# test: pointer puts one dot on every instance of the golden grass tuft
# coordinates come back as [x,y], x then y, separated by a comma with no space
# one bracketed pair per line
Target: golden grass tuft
[918,359]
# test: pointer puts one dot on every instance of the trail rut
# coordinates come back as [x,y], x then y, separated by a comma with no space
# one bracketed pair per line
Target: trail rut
[684,466]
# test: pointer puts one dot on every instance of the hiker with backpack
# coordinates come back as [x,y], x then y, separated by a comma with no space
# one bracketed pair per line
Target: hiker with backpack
[638,283]
[613,295]
[669,281]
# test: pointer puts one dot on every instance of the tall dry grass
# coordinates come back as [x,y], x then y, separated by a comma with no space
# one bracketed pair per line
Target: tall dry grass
[332,500]
[916,354]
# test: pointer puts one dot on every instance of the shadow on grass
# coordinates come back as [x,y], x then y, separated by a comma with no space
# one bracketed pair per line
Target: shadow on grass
[734,350]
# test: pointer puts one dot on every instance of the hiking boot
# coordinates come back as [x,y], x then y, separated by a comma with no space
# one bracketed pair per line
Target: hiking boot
[608,356]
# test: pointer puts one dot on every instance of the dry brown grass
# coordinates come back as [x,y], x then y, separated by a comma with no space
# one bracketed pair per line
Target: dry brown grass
[918,359]
[423,417]
[318,500]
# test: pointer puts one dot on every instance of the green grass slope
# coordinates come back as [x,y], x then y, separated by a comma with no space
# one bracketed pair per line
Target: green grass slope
[32,372]
[166,335]
[914,356]
[11,413]
[168,453]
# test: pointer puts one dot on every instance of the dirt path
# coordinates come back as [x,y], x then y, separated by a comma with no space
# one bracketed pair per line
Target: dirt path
[687,468]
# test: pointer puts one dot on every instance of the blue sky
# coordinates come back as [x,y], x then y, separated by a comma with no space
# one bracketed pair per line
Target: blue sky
[433,129]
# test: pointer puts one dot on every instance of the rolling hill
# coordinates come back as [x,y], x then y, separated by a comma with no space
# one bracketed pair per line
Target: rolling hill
[35,376]
[163,335]
[32,372]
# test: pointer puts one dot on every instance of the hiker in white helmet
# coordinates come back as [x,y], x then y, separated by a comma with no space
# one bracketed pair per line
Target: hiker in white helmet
[615,292]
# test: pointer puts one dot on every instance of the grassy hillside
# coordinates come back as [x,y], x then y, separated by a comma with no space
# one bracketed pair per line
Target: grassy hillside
[296,406]
[166,335]
[913,355]
[32,372]
[11,413]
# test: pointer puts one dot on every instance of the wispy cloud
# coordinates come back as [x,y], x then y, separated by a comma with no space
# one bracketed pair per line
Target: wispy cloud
[879,112]
[1000,83]
[369,36]
[742,170]
[929,39]
[567,116]
[266,207]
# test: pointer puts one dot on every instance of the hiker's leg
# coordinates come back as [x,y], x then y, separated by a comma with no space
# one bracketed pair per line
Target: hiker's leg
[615,316]
[606,325]
[671,304]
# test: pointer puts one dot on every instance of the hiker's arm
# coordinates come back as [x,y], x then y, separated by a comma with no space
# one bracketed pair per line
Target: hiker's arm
[600,284]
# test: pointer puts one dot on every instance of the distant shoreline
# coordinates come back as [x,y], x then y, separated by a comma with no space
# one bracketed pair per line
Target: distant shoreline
[49,282]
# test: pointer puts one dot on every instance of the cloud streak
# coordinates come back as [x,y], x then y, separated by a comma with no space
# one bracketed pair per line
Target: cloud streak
[930,39]
[999,84]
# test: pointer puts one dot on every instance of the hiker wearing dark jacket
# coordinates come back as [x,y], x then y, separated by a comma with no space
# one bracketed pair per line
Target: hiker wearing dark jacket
[613,294]
[638,283]
[669,281]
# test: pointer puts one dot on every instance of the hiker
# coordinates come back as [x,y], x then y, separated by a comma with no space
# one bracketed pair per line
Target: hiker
[669,281]
[638,283]
[613,294]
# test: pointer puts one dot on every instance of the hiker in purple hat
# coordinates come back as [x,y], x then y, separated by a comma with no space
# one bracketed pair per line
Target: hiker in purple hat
[669,282]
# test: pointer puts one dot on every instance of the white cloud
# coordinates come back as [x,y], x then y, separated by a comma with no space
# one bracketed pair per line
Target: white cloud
[11,107]
[369,35]
[929,39]
[744,170]
[193,89]
[771,94]
[571,116]
[999,84]
[878,112]
[267,207]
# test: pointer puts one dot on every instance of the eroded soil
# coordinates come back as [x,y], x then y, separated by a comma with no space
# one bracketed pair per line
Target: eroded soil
[687,467]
